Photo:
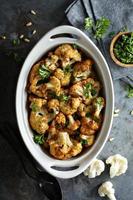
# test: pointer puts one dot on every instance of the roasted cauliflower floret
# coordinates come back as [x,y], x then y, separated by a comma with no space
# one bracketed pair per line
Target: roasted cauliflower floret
[76,90]
[34,85]
[51,61]
[62,76]
[87,140]
[53,105]
[98,104]
[61,147]
[85,110]
[73,124]
[89,126]
[76,148]
[60,119]
[71,106]
[54,85]
[67,54]
[82,70]
[38,117]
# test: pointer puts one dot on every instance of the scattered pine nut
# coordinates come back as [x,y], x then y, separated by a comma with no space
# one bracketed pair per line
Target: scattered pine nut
[111,139]
[21,36]
[131,113]
[27,40]
[116,114]
[3,37]
[33,32]
[29,24]
[33,12]
[116,111]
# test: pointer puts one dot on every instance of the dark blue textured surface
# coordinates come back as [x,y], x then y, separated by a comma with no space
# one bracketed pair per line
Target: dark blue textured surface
[14,184]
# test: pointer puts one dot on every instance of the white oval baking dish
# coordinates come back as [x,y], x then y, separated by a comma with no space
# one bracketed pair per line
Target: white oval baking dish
[75,166]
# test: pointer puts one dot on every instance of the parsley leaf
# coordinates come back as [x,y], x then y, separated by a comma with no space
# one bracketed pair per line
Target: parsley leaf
[68,69]
[63,97]
[130,91]
[44,72]
[38,139]
[101,27]
[34,107]
[88,23]
[87,90]
[84,142]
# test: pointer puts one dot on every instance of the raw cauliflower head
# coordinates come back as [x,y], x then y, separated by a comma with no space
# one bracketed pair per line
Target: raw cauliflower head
[106,189]
[119,165]
[67,54]
[95,169]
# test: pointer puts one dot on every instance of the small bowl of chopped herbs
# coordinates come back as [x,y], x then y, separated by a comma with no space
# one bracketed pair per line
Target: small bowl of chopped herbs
[121,49]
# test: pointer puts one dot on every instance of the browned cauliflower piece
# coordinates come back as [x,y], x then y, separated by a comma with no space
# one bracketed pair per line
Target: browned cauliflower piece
[82,70]
[98,104]
[76,90]
[51,61]
[62,76]
[38,117]
[34,78]
[53,105]
[54,85]
[73,124]
[89,126]
[61,147]
[71,106]
[67,54]
[87,140]
[85,110]
[60,119]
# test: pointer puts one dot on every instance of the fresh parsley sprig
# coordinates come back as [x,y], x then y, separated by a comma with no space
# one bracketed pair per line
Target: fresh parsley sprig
[100,27]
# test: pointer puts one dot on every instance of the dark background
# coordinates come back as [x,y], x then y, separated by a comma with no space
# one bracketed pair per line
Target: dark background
[14,183]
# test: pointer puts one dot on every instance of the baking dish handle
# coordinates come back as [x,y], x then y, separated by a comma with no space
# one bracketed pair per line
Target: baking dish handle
[55,34]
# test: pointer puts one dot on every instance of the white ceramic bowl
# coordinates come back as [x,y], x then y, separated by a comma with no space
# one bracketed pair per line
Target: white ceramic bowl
[75,166]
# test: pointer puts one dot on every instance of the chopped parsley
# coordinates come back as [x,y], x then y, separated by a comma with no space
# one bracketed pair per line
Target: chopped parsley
[84,142]
[44,72]
[89,91]
[74,46]
[34,107]
[130,91]
[88,114]
[39,139]
[16,41]
[100,27]
[123,49]
[68,69]
[88,23]
[63,97]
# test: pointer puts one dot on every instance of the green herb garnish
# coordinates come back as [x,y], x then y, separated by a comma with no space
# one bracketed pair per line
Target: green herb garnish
[39,139]
[88,23]
[68,69]
[123,49]
[93,92]
[130,91]
[34,107]
[87,90]
[44,72]
[101,27]
[111,34]
[74,46]
[16,41]
[63,97]
[84,142]
[88,114]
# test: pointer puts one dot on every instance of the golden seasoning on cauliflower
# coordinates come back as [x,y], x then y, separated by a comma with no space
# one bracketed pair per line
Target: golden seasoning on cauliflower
[70,107]
[82,70]
[62,76]
[51,61]
[64,101]
[67,54]
[54,85]
[73,124]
